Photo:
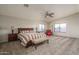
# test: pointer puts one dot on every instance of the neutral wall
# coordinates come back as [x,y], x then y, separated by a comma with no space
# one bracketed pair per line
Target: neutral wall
[72,26]
[6,22]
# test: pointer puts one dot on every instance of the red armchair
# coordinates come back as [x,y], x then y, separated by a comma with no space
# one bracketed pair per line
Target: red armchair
[48,32]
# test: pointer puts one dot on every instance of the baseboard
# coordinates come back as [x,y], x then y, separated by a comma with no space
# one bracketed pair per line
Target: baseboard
[66,36]
[2,42]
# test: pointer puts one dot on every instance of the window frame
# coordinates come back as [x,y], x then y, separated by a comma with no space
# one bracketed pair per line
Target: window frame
[60,28]
[41,28]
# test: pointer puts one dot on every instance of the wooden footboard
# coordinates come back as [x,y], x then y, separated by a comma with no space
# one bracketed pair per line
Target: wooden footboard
[36,45]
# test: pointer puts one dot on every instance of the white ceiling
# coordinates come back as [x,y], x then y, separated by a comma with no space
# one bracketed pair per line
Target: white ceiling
[38,10]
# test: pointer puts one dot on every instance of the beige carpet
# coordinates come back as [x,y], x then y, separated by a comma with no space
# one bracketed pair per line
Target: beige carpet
[56,46]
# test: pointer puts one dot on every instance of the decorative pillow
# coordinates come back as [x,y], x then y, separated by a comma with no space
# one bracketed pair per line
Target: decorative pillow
[24,32]
[31,31]
[27,31]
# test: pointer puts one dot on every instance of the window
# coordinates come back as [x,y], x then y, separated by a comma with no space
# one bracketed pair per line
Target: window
[63,27]
[56,27]
[41,28]
[60,27]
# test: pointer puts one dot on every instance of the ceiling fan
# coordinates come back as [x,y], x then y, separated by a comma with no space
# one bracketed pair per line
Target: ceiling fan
[49,14]
[26,5]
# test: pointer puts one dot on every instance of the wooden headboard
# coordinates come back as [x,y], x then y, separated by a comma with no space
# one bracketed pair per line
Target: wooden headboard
[25,29]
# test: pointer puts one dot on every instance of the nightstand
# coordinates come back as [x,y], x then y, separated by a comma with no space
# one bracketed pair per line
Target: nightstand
[12,37]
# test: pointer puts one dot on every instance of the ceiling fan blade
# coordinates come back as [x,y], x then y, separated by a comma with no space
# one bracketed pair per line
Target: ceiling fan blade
[48,14]
[52,13]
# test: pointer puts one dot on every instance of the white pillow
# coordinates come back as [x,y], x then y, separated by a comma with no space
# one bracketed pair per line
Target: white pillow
[24,31]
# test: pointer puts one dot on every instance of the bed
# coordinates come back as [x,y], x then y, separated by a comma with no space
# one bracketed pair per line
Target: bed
[28,37]
[23,37]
